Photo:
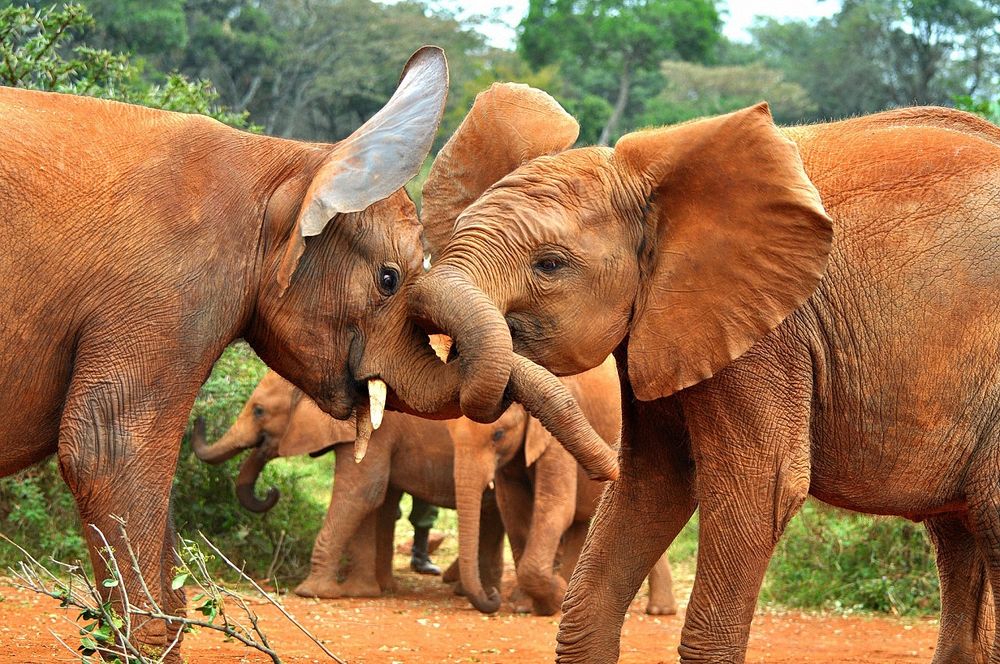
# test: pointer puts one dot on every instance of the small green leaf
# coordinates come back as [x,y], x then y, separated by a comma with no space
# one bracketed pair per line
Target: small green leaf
[179,581]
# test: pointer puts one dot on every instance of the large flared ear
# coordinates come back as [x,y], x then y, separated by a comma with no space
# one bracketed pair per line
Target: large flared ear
[508,125]
[378,158]
[736,239]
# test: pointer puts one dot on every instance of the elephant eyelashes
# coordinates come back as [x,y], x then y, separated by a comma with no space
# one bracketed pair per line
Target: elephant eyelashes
[388,280]
[258,411]
[548,264]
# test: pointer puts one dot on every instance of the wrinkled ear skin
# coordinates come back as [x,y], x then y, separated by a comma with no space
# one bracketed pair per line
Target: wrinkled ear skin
[536,441]
[377,159]
[508,125]
[736,239]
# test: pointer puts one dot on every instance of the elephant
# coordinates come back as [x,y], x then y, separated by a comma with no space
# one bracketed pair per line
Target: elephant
[545,498]
[407,453]
[809,310]
[140,243]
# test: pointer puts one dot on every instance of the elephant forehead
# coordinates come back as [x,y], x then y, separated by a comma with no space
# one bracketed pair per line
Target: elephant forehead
[547,198]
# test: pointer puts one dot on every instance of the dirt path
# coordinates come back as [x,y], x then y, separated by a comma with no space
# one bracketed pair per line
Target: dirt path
[424,622]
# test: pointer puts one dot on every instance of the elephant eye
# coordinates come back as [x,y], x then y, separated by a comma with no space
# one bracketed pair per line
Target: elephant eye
[548,264]
[388,280]
[258,411]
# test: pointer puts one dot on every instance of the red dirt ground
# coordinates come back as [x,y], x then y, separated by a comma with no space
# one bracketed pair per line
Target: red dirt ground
[424,622]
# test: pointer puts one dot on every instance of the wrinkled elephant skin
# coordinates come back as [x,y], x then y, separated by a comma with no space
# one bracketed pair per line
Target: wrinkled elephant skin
[545,498]
[139,243]
[811,310]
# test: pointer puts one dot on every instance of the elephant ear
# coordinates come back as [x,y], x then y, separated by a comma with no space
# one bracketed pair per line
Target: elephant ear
[508,125]
[310,430]
[536,440]
[736,239]
[377,159]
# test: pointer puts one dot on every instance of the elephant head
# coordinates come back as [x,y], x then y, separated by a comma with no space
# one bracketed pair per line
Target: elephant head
[490,373]
[332,313]
[277,420]
[684,245]
[340,241]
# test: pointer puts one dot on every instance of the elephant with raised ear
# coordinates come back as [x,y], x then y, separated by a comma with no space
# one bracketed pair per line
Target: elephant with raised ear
[810,310]
[545,498]
[407,453]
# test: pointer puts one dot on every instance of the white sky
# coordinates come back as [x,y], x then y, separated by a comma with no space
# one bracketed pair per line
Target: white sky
[739,17]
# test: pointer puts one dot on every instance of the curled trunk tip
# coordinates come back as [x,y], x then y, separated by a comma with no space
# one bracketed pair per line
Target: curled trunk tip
[450,302]
[223,450]
[489,603]
[247,480]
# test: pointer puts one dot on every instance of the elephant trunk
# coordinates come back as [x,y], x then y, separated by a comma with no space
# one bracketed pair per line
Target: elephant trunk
[246,482]
[548,399]
[471,478]
[232,443]
[450,302]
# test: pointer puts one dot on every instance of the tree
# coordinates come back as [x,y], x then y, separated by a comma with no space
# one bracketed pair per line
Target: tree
[875,54]
[694,90]
[626,38]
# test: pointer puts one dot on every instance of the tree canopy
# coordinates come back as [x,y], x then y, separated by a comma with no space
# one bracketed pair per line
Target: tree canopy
[624,39]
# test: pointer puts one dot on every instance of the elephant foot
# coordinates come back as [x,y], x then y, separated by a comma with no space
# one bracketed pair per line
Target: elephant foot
[330,589]
[522,603]
[547,601]
[654,608]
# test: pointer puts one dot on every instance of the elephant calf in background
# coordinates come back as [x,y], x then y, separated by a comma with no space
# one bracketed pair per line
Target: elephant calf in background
[545,497]
[407,454]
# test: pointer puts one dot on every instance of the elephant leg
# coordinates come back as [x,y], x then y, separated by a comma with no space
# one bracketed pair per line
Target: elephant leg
[967,612]
[750,440]
[661,600]
[637,518]
[572,544]
[358,490]
[361,579]
[515,502]
[118,451]
[554,507]
[385,540]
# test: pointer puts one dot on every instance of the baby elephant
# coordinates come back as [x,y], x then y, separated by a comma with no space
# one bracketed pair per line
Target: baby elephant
[406,454]
[545,498]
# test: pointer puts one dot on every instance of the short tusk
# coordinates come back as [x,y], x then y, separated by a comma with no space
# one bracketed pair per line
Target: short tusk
[363,434]
[376,399]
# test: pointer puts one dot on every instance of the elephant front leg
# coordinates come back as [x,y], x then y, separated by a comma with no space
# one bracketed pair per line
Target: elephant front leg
[967,614]
[358,490]
[118,456]
[749,429]
[638,517]
[554,506]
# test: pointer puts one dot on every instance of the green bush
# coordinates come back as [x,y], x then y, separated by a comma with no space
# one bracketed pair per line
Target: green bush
[204,496]
[831,559]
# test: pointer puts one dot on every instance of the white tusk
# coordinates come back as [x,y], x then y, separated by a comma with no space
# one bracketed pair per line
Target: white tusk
[427,262]
[363,432]
[376,398]
[491,485]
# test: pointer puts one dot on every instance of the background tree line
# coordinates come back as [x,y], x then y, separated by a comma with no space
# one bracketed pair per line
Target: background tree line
[316,69]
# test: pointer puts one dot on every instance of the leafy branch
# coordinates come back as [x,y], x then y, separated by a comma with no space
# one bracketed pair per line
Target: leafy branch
[109,629]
